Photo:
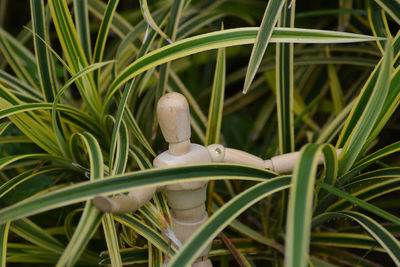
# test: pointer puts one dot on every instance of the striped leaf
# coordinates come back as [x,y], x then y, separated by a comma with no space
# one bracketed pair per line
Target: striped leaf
[137,132]
[91,217]
[4,126]
[368,160]
[74,53]
[389,107]
[378,22]
[363,98]
[36,235]
[209,230]
[16,63]
[17,180]
[102,36]
[23,88]
[140,157]
[122,183]
[271,16]
[3,243]
[376,174]
[150,21]
[378,189]
[23,54]
[7,161]
[67,35]
[391,7]
[88,224]
[60,138]
[197,22]
[75,116]
[354,144]
[217,101]
[34,129]
[345,240]
[356,201]
[150,234]
[213,130]
[119,24]
[380,234]
[301,195]
[116,138]
[45,64]
[225,38]
[82,26]
[111,237]
[284,82]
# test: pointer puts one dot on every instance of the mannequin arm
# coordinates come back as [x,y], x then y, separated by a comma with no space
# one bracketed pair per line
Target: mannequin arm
[281,164]
[124,203]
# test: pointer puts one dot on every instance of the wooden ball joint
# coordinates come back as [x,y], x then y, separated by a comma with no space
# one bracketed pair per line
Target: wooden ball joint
[187,200]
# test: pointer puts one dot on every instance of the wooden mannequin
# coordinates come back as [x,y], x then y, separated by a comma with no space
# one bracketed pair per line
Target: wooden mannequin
[187,200]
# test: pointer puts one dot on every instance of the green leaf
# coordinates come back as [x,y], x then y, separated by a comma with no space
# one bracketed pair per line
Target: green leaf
[377,174]
[16,63]
[150,234]
[368,160]
[91,217]
[111,237]
[116,135]
[75,117]
[391,7]
[4,126]
[220,219]
[88,224]
[45,64]
[59,135]
[197,22]
[284,82]
[380,234]
[125,182]
[225,38]
[67,35]
[363,98]
[150,21]
[137,132]
[82,26]
[74,54]
[19,85]
[140,157]
[271,16]
[333,128]
[33,127]
[119,24]
[378,22]
[102,35]
[3,243]
[36,235]
[217,101]
[22,177]
[362,204]
[389,107]
[336,89]
[22,53]
[375,190]
[301,196]
[354,144]
[344,240]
